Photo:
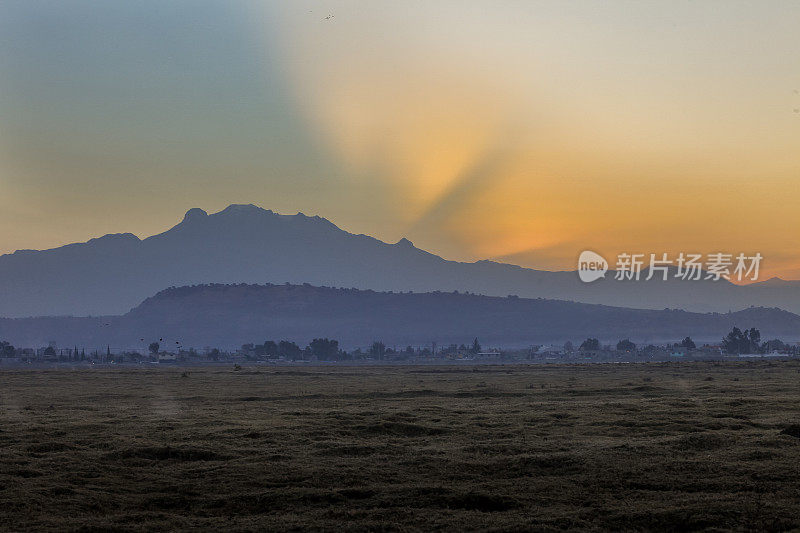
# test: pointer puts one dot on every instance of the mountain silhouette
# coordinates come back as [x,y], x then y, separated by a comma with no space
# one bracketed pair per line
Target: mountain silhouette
[247,244]
[227,316]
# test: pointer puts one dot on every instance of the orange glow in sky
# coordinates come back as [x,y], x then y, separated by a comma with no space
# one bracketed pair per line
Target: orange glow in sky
[525,132]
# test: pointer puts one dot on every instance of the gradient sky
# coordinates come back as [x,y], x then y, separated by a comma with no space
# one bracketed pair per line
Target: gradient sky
[520,130]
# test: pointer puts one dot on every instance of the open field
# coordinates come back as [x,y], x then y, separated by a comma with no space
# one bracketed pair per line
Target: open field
[658,446]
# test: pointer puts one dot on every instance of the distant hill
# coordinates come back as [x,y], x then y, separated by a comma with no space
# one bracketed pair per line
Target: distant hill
[247,244]
[229,315]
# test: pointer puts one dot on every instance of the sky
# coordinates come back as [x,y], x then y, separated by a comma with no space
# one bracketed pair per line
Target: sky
[521,131]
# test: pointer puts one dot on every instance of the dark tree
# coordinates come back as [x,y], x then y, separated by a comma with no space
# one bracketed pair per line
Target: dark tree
[688,343]
[738,341]
[6,349]
[154,347]
[325,349]
[774,345]
[476,346]
[732,342]
[270,348]
[50,351]
[625,345]
[377,350]
[755,339]
[590,344]
[289,350]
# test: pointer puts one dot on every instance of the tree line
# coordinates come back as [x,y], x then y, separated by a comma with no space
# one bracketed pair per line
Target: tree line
[734,343]
[325,349]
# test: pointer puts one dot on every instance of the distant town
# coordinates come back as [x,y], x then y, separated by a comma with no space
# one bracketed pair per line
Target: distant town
[738,344]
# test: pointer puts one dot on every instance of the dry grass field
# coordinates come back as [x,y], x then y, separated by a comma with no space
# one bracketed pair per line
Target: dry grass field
[595,447]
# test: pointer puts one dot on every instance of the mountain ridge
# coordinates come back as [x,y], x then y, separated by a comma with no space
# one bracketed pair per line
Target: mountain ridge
[225,316]
[244,243]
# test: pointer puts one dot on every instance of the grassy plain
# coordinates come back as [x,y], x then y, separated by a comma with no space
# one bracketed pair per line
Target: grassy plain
[682,446]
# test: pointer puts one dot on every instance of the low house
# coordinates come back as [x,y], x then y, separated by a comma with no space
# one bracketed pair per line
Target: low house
[550,350]
[165,357]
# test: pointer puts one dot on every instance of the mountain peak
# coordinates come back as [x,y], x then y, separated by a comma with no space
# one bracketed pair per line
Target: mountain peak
[242,209]
[194,213]
[404,242]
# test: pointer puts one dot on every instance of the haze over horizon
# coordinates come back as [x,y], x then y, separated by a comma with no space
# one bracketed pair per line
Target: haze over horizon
[520,132]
